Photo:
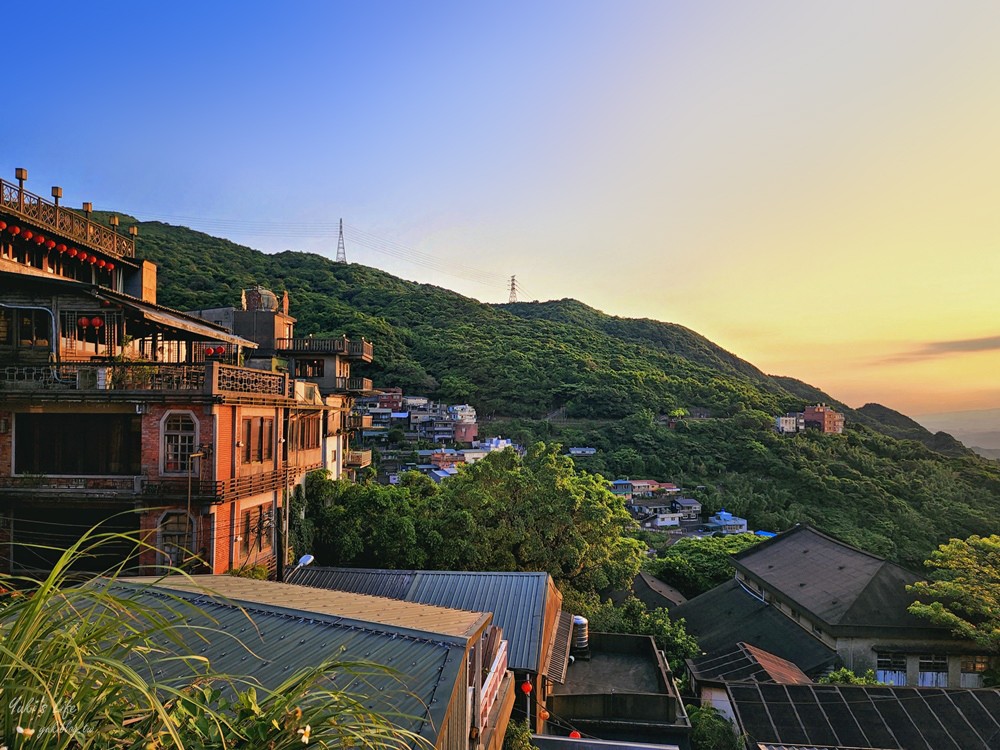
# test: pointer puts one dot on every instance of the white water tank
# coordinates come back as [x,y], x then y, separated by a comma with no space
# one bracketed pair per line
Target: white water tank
[581,633]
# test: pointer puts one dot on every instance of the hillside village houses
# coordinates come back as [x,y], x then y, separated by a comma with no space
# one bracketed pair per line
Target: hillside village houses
[818,417]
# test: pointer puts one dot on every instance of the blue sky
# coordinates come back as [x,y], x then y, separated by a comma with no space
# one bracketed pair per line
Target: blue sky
[813,186]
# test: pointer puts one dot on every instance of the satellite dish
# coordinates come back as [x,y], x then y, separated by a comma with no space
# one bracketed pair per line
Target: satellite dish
[305,560]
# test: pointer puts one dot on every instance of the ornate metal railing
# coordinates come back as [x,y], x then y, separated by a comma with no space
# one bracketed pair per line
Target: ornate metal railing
[143,376]
[42,483]
[67,222]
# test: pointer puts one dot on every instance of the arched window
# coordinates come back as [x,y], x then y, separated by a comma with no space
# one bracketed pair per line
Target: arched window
[180,435]
[175,538]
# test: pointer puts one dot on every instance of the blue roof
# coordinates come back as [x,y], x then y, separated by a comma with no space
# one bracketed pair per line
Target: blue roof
[517,600]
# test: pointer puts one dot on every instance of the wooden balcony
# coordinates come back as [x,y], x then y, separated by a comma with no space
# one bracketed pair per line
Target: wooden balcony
[141,377]
[359,350]
[358,459]
[359,421]
[67,223]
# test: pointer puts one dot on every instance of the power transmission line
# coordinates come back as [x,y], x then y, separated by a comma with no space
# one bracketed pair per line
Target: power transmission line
[341,250]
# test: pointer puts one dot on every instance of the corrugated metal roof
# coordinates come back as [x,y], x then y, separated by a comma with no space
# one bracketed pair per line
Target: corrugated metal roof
[269,644]
[746,662]
[414,616]
[517,600]
[558,664]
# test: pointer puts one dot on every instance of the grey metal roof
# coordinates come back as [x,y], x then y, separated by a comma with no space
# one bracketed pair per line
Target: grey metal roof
[893,718]
[268,644]
[745,662]
[517,600]
[722,617]
[839,584]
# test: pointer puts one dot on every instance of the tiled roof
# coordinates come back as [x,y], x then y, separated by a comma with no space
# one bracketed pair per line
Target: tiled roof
[746,662]
[268,644]
[418,617]
[517,600]
[838,584]
[726,615]
[893,718]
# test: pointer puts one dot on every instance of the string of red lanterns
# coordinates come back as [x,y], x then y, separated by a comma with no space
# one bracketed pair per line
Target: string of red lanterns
[50,244]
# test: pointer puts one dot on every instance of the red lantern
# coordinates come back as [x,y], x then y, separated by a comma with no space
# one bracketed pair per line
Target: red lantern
[27,234]
[220,350]
[544,715]
[3,225]
[83,321]
[105,303]
[82,257]
[39,239]
[72,252]
[526,687]
[575,735]
[49,244]
[110,266]
[15,230]
[61,247]
[102,263]
[96,322]
[92,259]
[209,351]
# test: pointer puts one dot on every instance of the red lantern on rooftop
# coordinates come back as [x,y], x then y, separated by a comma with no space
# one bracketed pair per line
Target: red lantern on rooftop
[72,252]
[83,321]
[61,247]
[96,322]
[49,244]
[526,687]
[27,234]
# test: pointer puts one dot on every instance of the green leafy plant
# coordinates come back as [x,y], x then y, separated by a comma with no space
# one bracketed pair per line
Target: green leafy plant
[80,664]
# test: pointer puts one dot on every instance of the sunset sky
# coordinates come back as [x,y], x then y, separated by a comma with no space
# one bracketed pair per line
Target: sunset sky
[814,186]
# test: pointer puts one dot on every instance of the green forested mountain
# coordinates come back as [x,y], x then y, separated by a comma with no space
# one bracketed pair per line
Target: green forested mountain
[887,485]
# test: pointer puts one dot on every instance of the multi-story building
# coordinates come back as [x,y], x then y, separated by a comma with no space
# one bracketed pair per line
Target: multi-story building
[821,417]
[117,410]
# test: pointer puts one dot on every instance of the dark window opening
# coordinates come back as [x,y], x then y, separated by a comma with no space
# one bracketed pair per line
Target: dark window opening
[77,444]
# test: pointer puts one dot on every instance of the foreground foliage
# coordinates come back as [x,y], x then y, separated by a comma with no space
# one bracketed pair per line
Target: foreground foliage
[964,591]
[82,665]
[710,730]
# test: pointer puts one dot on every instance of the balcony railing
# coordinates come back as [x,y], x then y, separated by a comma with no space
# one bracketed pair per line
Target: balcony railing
[64,221]
[362,349]
[227,489]
[359,421]
[212,377]
[359,459]
[28,483]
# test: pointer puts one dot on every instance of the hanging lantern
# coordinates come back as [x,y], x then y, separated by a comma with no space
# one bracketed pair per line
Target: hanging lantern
[82,257]
[110,266]
[526,687]
[209,351]
[39,239]
[49,244]
[83,321]
[27,234]
[96,322]
[72,252]
[220,350]
[92,259]
[102,263]
[575,735]
[544,715]
[3,225]
[61,247]
[15,230]
[105,303]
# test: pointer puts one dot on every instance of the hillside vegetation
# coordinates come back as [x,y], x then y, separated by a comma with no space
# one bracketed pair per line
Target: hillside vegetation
[887,485]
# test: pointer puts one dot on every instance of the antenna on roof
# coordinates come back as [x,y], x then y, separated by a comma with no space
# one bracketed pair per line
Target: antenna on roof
[341,250]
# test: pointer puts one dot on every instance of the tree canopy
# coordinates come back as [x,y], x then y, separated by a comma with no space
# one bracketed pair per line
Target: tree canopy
[964,591]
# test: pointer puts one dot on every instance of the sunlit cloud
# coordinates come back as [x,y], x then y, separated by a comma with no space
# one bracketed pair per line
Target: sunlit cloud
[937,349]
